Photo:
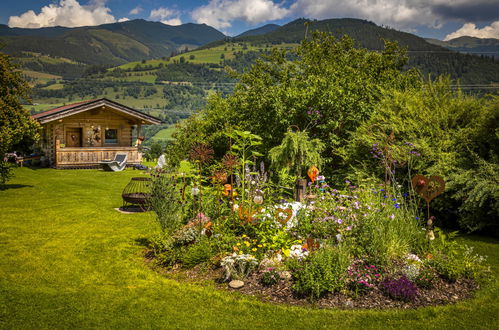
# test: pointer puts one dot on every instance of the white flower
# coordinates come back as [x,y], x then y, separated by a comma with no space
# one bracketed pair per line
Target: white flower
[297,252]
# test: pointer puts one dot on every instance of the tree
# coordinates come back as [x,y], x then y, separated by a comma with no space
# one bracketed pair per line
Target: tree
[324,80]
[296,151]
[16,125]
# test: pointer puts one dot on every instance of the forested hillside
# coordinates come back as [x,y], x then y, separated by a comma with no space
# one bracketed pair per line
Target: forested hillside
[110,44]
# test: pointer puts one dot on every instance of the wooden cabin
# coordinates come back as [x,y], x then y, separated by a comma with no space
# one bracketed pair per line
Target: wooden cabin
[84,133]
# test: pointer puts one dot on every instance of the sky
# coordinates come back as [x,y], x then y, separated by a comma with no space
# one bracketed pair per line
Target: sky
[440,19]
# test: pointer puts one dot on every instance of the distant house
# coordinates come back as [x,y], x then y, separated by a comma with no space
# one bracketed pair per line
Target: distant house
[84,133]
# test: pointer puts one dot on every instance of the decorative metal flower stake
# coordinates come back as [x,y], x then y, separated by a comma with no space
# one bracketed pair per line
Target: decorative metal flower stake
[428,188]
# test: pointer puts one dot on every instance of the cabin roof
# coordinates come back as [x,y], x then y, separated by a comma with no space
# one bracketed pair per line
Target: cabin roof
[74,108]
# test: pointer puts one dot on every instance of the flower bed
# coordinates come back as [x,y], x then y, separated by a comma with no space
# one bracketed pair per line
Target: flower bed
[349,246]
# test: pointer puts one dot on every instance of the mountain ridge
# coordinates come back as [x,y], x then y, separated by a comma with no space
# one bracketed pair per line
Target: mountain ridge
[112,44]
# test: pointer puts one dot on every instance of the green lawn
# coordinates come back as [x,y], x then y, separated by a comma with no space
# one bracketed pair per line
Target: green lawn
[68,260]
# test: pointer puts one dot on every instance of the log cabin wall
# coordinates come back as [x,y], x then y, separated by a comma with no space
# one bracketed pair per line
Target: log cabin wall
[91,126]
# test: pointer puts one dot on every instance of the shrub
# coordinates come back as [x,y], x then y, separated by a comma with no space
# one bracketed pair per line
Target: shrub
[425,278]
[362,276]
[197,253]
[239,266]
[270,277]
[165,202]
[400,289]
[324,271]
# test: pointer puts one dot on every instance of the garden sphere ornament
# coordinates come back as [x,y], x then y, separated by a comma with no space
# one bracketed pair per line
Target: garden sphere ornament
[195,191]
[258,199]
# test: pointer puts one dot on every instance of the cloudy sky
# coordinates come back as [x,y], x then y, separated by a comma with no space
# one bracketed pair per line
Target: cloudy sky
[441,19]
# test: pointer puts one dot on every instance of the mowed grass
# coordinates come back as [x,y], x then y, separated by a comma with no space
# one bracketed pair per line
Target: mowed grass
[69,260]
[211,55]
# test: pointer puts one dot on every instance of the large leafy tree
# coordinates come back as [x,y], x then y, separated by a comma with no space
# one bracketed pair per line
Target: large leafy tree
[16,125]
[326,86]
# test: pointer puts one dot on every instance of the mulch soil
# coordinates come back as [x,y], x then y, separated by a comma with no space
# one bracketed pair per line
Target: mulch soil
[442,293]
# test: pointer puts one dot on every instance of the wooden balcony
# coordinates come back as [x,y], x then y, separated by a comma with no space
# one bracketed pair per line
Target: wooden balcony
[91,156]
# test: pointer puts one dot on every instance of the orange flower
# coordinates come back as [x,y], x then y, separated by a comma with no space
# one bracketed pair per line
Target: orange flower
[313,172]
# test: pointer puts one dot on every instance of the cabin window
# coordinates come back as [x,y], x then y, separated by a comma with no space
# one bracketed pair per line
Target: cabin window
[111,136]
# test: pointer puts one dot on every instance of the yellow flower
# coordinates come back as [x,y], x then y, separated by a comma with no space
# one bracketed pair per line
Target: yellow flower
[238,244]
[254,249]
[260,245]
[247,243]
[243,236]
[240,252]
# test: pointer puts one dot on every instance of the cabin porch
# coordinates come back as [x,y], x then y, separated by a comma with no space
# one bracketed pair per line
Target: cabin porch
[72,157]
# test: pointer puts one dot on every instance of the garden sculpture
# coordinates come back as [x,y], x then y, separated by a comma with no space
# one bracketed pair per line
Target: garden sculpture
[428,188]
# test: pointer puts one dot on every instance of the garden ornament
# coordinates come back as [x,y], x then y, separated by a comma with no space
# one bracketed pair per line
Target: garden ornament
[428,188]
[283,215]
[311,245]
[313,172]
[429,228]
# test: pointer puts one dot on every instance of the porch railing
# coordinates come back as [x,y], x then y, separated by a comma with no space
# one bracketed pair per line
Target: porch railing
[88,156]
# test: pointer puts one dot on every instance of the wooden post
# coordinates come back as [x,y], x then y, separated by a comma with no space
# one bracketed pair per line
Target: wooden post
[57,147]
[139,130]
[300,189]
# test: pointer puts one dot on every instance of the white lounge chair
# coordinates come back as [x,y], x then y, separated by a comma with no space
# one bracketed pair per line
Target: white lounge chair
[117,164]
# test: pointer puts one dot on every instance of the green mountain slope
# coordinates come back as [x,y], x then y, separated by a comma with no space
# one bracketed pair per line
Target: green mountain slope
[110,44]
[261,30]
[470,45]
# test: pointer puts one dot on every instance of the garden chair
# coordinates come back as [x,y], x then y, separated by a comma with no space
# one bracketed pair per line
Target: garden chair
[117,164]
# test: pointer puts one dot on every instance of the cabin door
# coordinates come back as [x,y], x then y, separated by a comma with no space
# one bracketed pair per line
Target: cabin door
[73,137]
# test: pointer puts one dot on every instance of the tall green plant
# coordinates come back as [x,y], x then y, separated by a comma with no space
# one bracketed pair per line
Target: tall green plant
[297,150]
[244,144]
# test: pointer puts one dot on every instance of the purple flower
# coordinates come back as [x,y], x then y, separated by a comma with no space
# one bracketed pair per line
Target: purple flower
[397,205]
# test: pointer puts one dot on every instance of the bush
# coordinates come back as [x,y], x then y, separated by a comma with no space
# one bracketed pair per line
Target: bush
[362,276]
[400,289]
[324,271]
[238,267]
[425,278]
[270,277]
[165,202]
[197,253]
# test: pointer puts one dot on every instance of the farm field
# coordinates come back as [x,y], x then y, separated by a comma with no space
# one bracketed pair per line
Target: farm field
[69,260]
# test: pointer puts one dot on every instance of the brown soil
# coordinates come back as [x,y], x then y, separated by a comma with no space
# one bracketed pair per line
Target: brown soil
[442,293]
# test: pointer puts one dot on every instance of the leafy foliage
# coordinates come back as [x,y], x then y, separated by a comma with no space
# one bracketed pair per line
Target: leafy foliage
[16,125]
[296,151]
[324,271]
[339,82]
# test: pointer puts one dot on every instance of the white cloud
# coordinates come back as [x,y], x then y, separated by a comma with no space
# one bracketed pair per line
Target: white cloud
[166,16]
[123,19]
[67,13]
[470,29]
[221,13]
[135,10]
[394,13]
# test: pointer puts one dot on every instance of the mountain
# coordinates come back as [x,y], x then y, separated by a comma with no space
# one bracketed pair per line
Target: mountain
[259,31]
[470,45]
[108,44]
